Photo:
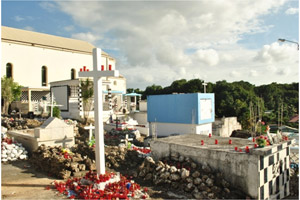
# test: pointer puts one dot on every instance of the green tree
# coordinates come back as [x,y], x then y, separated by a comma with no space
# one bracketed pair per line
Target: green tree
[10,91]
[193,86]
[87,93]
[178,86]
[130,90]
[152,90]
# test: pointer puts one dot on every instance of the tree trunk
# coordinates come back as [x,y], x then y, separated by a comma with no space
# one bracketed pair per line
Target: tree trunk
[5,107]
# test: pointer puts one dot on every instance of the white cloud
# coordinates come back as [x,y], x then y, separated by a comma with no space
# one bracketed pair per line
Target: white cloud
[234,74]
[28,28]
[152,38]
[18,18]
[275,53]
[50,7]
[209,56]
[292,11]
[253,73]
[88,37]
[69,28]
[283,71]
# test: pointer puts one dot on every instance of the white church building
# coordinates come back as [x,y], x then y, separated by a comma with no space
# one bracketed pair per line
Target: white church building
[39,61]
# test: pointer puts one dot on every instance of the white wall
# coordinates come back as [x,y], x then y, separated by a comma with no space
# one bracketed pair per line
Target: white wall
[143,105]
[140,117]
[27,62]
[166,129]
[117,84]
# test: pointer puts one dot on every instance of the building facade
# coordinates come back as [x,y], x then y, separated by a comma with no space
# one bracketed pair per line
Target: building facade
[34,60]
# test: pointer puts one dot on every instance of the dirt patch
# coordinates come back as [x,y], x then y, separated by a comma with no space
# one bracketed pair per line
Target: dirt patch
[21,181]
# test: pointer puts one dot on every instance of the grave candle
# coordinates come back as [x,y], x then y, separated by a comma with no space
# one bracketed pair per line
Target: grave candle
[202,142]
[109,67]
[87,70]
[84,68]
[230,142]
[235,148]
[102,67]
[216,141]
[253,139]
[209,135]
[247,149]
[81,69]
[255,145]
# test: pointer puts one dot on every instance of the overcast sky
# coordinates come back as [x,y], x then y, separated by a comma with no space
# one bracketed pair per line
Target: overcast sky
[157,42]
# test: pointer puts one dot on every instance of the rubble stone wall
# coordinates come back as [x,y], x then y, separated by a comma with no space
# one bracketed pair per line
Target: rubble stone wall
[240,171]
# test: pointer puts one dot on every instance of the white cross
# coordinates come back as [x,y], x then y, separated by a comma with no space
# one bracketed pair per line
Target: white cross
[90,128]
[126,140]
[52,104]
[97,74]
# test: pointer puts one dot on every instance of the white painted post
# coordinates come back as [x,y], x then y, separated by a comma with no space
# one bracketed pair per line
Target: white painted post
[97,74]
[51,110]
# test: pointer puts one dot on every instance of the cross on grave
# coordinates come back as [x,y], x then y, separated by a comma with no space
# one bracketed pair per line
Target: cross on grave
[52,104]
[126,140]
[90,128]
[64,142]
[97,74]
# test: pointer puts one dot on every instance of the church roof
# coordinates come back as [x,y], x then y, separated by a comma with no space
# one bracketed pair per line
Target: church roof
[46,41]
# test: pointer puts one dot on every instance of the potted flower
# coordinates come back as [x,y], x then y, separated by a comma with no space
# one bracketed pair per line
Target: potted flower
[261,142]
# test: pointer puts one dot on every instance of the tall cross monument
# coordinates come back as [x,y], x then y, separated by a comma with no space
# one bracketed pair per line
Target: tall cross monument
[97,74]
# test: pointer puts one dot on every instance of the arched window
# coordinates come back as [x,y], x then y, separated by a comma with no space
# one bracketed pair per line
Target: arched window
[73,74]
[9,70]
[44,76]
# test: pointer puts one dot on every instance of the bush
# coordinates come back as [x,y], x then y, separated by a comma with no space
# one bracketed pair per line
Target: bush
[56,112]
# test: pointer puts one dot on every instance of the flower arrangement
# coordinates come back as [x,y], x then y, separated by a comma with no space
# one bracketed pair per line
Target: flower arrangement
[262,141]
[86,187]
[142,150]
[66,153]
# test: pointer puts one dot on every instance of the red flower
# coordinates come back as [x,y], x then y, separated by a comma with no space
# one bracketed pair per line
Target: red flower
[145,189]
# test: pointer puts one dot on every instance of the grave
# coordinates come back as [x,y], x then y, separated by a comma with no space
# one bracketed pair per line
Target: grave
[174,114]
[262,173]
[53,132]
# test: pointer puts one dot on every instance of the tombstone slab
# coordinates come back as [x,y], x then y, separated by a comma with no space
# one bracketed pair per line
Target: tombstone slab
[54,132]
[54,129]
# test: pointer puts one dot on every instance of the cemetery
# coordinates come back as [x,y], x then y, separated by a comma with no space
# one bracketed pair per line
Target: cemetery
[184,160]
[172,167]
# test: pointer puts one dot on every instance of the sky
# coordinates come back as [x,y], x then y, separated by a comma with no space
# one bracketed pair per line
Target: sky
[158,42]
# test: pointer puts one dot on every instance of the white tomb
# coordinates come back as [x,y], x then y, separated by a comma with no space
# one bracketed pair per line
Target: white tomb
[54,132]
